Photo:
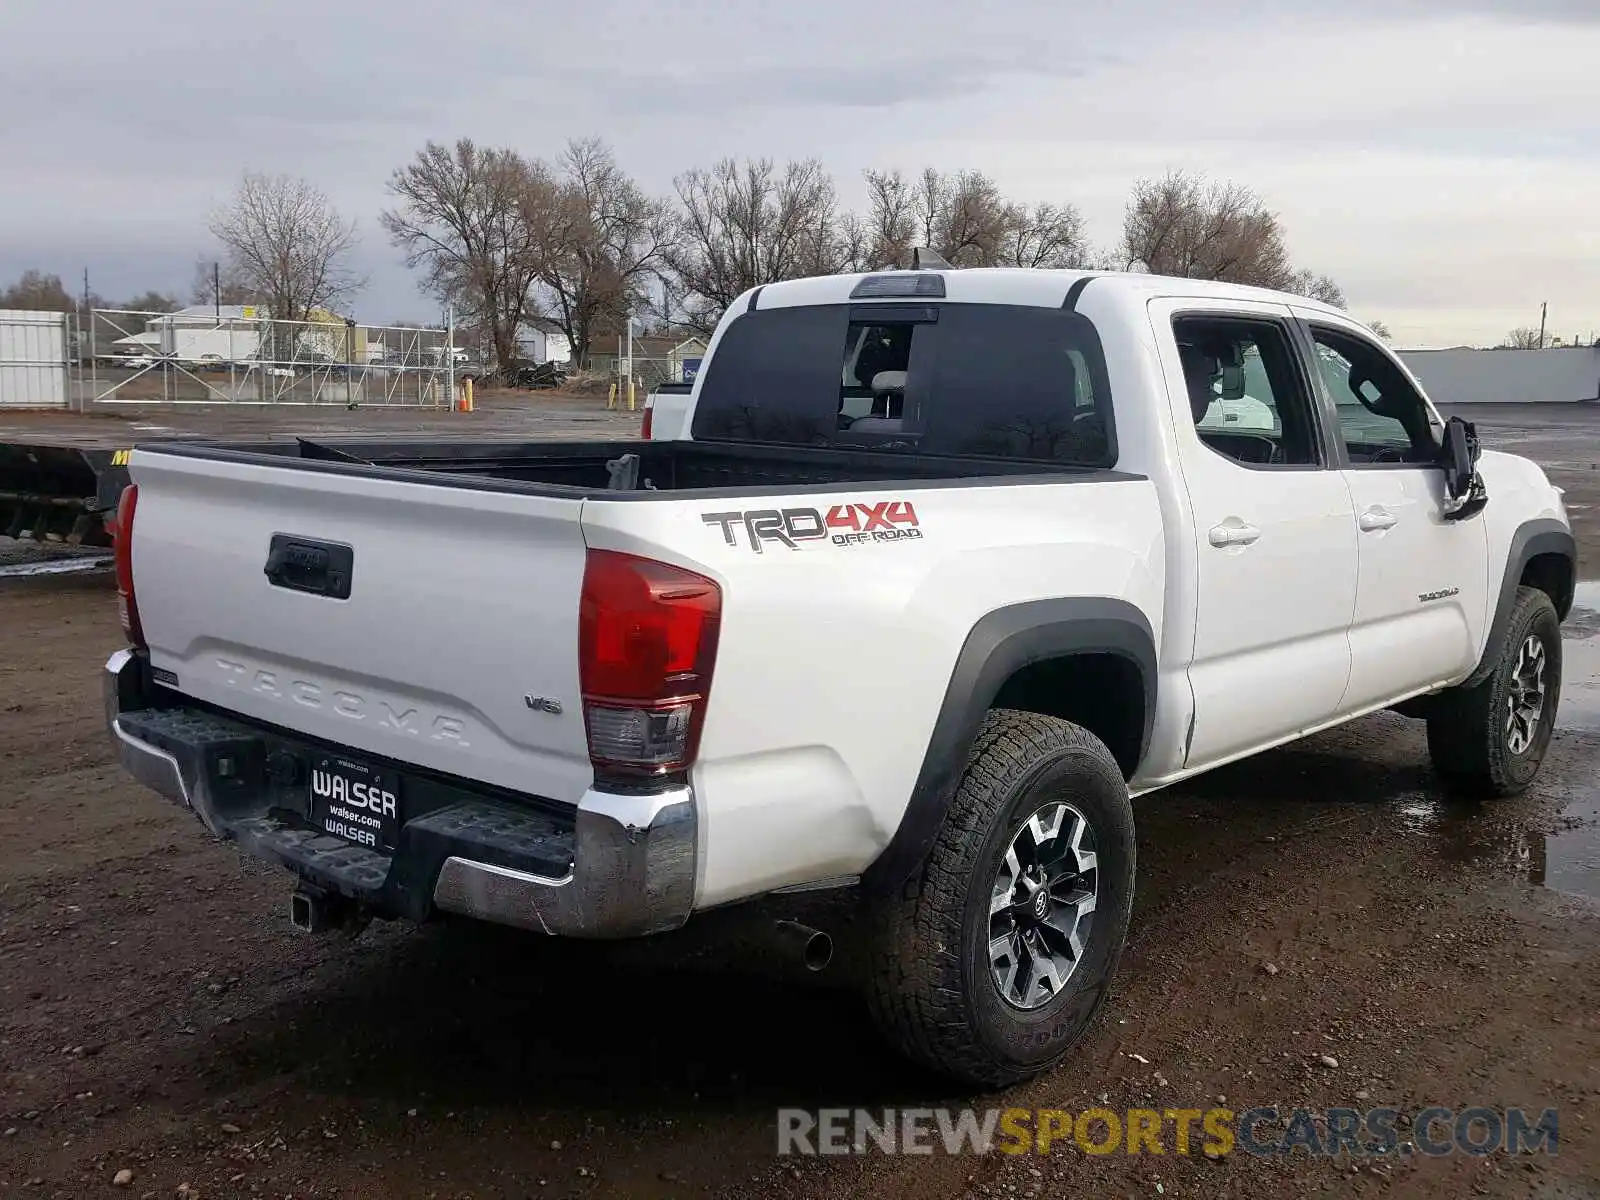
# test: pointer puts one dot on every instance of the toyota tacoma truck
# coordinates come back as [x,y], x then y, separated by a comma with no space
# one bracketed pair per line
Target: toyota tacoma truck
[942,570]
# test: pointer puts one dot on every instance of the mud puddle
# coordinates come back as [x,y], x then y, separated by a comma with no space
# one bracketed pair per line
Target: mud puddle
[1580,662]
[54,566]
[1562,853]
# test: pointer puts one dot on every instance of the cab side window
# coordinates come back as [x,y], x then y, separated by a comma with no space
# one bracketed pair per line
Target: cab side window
[1382,417]
[1247,396]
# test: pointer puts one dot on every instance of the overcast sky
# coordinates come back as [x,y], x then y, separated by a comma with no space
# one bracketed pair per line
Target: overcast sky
[1439,158]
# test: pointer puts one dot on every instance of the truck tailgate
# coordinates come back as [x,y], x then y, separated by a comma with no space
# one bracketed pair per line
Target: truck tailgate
[461,604]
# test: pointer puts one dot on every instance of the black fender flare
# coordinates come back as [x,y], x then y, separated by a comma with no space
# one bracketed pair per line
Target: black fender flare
[1000,644]
[1543,535]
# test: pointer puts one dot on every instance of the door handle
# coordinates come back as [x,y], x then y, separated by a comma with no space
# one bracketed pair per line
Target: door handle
[1375,519]
[304,565]
[1232,535]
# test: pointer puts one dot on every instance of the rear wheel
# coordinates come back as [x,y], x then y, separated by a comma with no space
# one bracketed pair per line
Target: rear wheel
[998,956]
[1489,740]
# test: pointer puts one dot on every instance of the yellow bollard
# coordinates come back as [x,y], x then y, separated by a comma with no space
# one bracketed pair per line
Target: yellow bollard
[469,393]
[611,396]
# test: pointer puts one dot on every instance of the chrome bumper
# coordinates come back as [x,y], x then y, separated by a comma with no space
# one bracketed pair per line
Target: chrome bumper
[632,873]
[633,857]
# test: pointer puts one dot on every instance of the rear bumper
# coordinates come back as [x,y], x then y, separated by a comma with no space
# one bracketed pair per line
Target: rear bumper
[616,866]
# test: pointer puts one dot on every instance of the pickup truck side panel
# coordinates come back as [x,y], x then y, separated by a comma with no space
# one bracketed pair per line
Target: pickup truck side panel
[1271,654]
[668,409]
[1421,601]
[834,659]
[1529,522]
[1147,443]
[450,560]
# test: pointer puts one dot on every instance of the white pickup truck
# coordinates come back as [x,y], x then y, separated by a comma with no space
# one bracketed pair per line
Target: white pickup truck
[944,568]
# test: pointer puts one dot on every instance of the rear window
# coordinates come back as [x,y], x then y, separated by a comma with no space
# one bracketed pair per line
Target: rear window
[972,380]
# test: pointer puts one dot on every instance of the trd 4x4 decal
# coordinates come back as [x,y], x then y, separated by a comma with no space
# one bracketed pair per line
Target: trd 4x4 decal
[841,525]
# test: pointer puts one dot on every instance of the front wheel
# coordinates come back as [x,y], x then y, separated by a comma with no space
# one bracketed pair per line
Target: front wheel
[1489,740]
[998,956]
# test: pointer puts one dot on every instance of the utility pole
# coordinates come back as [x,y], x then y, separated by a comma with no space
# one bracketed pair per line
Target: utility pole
[88,315]
[1542,309]
[216,289]
[450,352]
[630,362]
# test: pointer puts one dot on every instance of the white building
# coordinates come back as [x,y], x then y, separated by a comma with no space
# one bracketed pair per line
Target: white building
[541,341]
[1567,375]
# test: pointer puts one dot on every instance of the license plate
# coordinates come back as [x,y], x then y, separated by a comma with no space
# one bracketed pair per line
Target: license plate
[355,801]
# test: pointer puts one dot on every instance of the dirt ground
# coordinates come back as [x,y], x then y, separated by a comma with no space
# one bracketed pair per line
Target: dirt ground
[158,1015]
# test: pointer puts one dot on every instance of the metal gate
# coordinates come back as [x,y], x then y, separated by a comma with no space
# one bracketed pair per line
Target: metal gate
[33,358]
[234,354]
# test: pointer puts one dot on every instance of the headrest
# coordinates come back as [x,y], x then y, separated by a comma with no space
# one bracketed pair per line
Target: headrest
[889,381]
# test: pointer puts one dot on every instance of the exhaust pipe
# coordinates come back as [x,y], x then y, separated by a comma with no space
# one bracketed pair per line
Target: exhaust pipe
[811,947]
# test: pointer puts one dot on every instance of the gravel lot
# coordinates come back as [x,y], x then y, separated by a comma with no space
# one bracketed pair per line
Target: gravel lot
[158,1015]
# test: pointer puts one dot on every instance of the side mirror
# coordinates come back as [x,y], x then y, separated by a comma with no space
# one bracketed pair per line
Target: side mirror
[1460,457]
[1464,491]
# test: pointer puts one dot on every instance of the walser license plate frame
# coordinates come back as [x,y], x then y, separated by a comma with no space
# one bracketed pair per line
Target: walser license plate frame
[354,801]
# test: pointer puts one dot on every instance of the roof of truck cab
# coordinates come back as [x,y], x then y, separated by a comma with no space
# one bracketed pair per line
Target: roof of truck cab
[1025,285]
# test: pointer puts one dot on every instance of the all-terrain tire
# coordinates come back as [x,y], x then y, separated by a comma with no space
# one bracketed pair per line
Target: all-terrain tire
[931,989]
[1469,735]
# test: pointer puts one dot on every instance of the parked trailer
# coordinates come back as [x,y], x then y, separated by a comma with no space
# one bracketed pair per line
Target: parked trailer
[61,475]
[227,345]
[60,493]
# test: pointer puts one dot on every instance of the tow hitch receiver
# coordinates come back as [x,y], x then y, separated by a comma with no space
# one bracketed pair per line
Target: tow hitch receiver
[312,910]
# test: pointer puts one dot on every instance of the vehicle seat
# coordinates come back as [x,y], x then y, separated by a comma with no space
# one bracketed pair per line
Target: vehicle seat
[1199,372]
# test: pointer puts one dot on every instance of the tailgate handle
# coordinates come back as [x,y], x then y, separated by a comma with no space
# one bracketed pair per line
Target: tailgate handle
[307,565]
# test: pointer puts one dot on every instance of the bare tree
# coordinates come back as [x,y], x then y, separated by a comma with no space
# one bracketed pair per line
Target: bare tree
[963,217]
[153,302]
[891,222]
[928,201]
[38,292]
[480,223]
[609,239]
[1523,338]
[1046,235]
[1182,225]
[971,224]
[960,216]
[1381,329]
[853,243]
[285,240]
[1308,283]
[745,224]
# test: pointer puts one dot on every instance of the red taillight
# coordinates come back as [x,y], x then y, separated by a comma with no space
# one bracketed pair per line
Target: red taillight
[647,641]
[122,554]
[644,427]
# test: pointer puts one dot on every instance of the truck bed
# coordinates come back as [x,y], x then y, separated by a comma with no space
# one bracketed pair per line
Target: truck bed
[62,472]
[638,468]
